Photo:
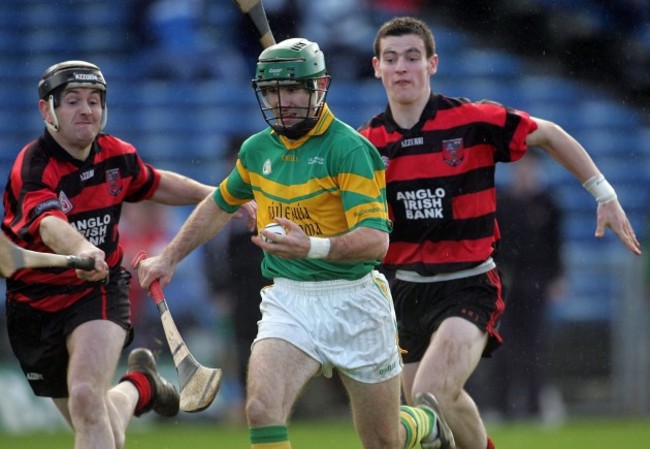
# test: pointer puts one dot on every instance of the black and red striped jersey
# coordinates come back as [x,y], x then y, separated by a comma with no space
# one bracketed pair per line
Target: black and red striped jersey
[45,180]
[440,180]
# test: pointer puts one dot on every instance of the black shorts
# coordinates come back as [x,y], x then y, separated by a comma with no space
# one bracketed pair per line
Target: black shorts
[422,307]
[38,338]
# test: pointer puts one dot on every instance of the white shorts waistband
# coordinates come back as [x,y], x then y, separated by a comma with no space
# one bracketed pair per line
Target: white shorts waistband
[317,287]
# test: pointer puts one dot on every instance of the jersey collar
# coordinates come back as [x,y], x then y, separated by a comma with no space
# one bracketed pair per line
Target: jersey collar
[428,113]
[58,152]
[323,123]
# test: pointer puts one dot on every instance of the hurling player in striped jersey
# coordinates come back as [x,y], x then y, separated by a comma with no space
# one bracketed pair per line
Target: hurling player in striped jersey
[440,155]
[68,327]
[328,308]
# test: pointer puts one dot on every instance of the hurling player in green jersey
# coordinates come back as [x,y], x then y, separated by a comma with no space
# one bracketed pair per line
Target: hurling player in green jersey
[328,308]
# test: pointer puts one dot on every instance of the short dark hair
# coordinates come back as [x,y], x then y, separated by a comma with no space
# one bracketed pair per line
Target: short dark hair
[401,26]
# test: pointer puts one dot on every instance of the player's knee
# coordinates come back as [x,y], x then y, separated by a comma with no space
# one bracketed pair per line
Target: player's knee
[446,390]
[260,413]
[85,402]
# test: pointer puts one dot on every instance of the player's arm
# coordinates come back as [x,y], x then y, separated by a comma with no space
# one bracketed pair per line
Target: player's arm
[62,238]
[204,223]
[178,190]
[360,244]
[566,150]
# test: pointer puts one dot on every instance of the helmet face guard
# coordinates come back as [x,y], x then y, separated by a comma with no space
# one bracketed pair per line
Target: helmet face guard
[71,75]
[292,121]
[293,64]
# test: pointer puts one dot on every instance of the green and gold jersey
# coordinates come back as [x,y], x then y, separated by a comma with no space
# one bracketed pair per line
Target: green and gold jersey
[328,182]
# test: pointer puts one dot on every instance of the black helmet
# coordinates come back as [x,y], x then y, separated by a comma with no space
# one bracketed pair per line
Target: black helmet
[71,74]
[67,75]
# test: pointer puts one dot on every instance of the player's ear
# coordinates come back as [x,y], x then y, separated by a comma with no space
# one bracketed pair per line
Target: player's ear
[44,108]
[432,64]
[375,66]
[50,119]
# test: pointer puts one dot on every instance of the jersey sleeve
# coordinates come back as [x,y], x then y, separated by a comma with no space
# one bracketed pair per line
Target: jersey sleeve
[30,196]
[510,137]
[235,190]
[523,126]
[144,182]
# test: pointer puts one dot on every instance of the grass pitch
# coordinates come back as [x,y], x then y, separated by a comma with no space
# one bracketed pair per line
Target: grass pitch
[577,434]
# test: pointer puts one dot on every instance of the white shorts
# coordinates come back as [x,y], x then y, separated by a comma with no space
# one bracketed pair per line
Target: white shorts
[347,325]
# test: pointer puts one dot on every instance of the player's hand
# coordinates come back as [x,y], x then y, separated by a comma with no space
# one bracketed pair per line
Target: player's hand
[294,245]
[249,212]
[100,272]
[611,215]
[154,268]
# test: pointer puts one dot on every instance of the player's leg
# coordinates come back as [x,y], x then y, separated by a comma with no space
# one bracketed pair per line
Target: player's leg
[98,417]
[125,398]
[62,406]
[154,391]
[277,373]
[376,413]
[370,368]
[382,424]
[452,356]
[121,398]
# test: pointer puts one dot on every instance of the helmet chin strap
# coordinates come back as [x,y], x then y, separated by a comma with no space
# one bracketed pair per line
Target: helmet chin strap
[54,127]
[104,118]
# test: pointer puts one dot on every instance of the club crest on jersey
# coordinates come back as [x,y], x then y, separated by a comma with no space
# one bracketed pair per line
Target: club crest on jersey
[114,181]
[453,151]
[66,205]
[266,169]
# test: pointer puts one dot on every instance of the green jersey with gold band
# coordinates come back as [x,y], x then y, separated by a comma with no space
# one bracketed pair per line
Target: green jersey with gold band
[328,182]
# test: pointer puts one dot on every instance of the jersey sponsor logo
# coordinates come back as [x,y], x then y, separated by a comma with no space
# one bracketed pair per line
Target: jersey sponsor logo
[311,229]
[87,174]
[412,142]
[298,214]
[290,158]
[114,181]
[34,376]
[94,229]
[363,212]
[66,204]
[423,203]
[453,151]
[266,168]
[316,160]
[290,212]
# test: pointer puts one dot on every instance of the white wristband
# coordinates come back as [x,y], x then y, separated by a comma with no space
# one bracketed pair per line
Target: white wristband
[600,189]
[319,248]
